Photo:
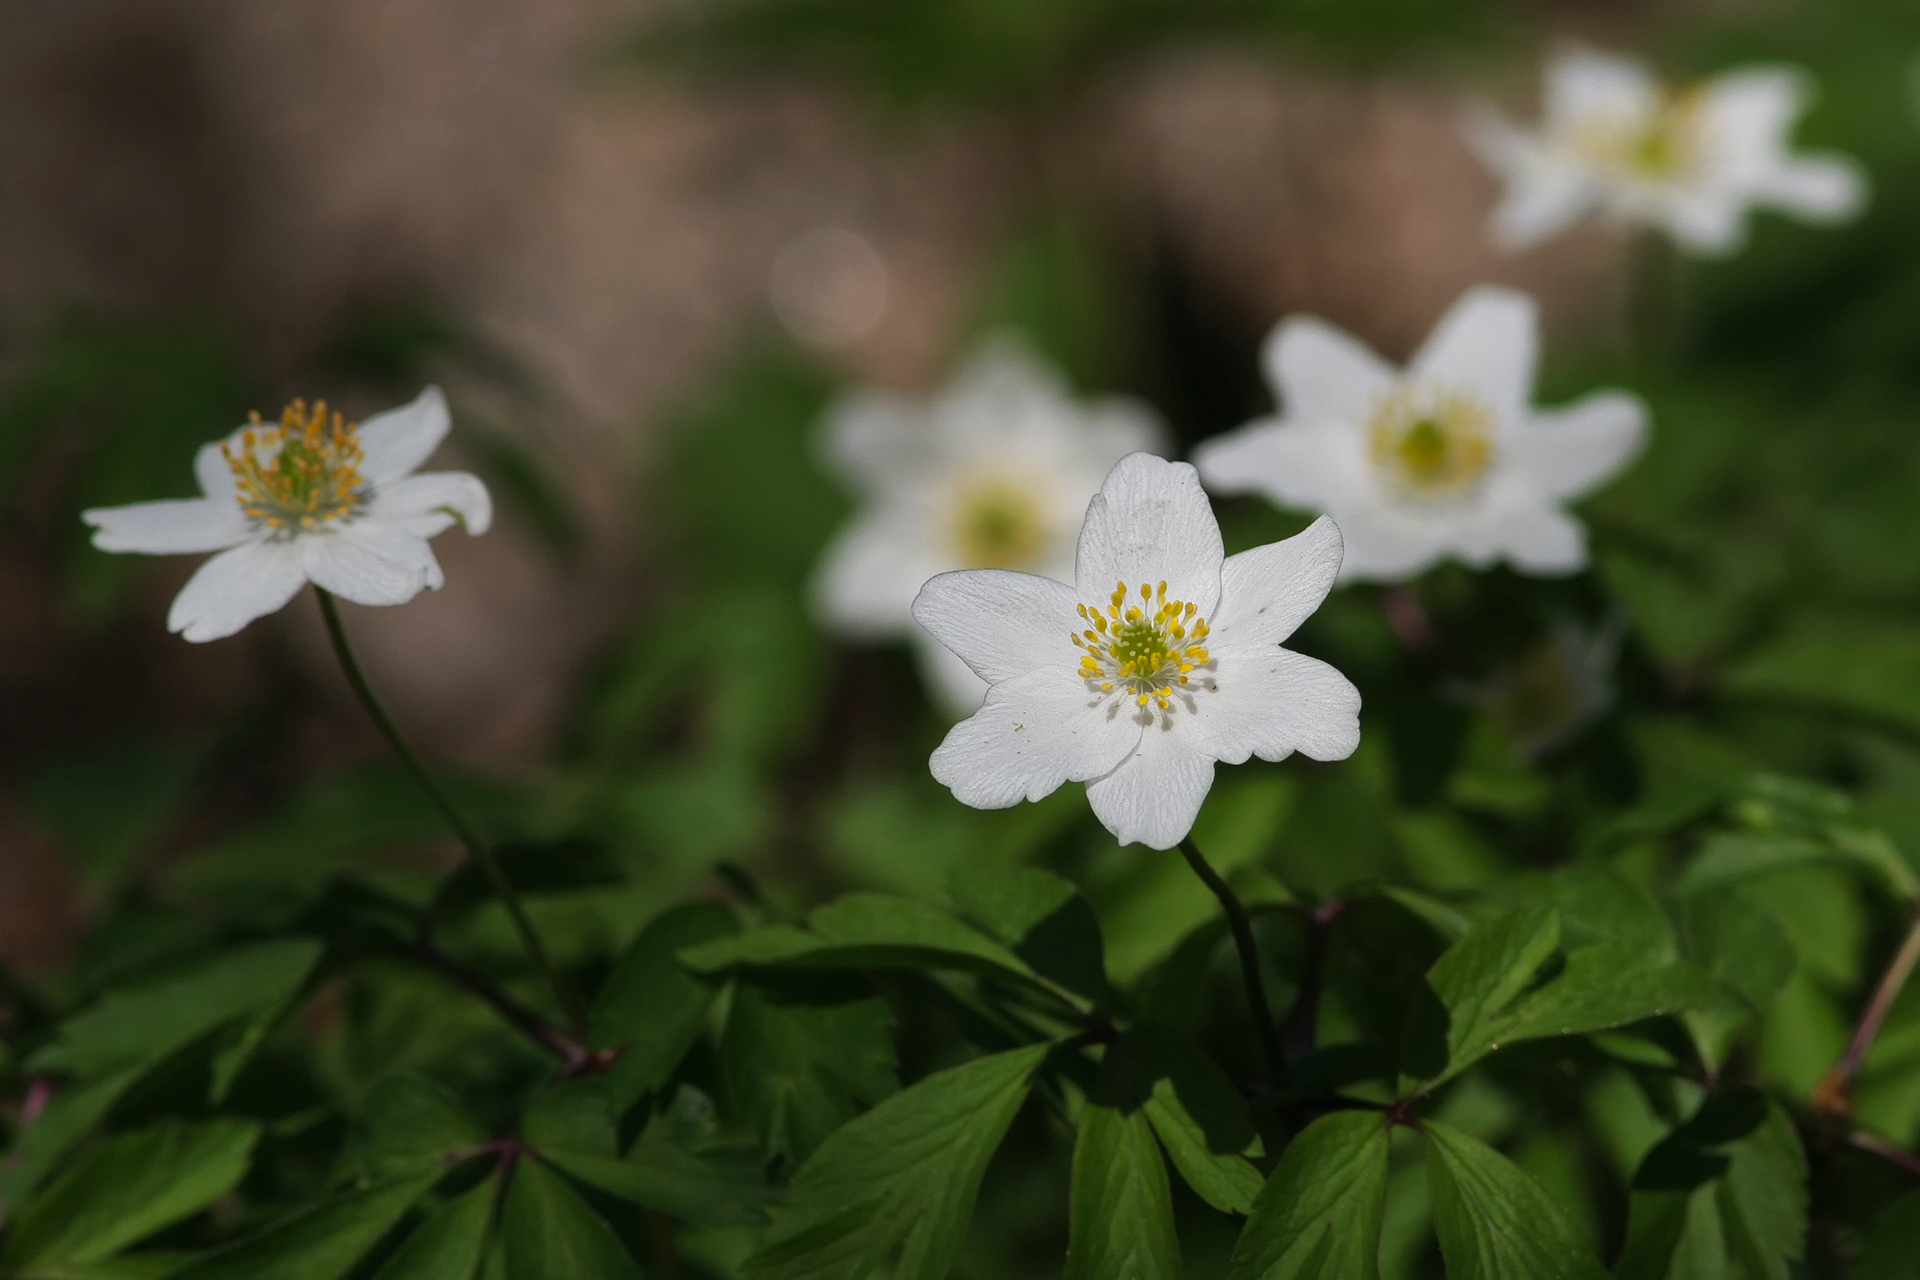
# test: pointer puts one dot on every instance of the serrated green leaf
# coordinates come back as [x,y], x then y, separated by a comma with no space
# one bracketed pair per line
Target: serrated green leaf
[547,1230]
[1121,1208]
[1471,984]
[1495,1221]
[1319,1216]
[651,1007]
[1226,1180]
[450,1243]
[804,1053]
[126,1189]
[904,1175]
[1192,1105]
[248,987]
[1042,917]
[320,1242]
[410,1123]
[1742,947]
[1604,986]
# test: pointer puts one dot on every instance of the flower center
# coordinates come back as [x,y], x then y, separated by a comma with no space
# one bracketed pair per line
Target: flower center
[1656,147]
[998,525]
[300,473]
[1144,651]
[1432,445]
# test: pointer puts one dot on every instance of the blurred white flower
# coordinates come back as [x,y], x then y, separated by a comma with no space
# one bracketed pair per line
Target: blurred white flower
[1555,690]
[1163,658]
[311,498]
[1613,142]
[1444,458]
[994,472]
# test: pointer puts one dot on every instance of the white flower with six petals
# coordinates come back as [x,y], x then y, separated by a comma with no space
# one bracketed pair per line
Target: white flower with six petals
[1446,457]
[1162,659]
[311,498]
[994,472]
[1613,142]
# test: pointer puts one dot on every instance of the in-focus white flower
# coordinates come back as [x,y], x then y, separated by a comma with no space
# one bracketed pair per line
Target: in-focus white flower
[992,473]
[1163,658]
[1443,458]
[311,498]
[1614,142]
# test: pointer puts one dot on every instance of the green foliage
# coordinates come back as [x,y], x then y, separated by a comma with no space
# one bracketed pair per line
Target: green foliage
[1122,1207]
[1495,1221]
[1320,1212]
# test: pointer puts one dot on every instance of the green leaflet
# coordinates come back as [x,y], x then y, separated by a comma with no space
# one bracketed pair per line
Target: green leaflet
[904,1175]
[134,1028]
[1121,1206]
[1193,1107]
[1495,1221]
[1226,1180]
[1893,1248]
[321,1241]
[804,1053]
[126,1189]
[1043,917]
[1471,984]
[547,1231]
[410,1123]
[449,1244]
[1318,1217]
[651,1006]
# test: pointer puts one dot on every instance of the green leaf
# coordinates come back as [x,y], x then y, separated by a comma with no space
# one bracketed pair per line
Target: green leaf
[320,1242]
[533,868]
[68,1118]
[547,1230]
[1319,1216]
[1723,1194]
[126,1189]
[1604,986]
[1121,1208]
[1192,1105]
[804,1053]
[247,988]
[449,1244]
[903,1175]
[1742,947]
[651,1007]
[1893,1246]
[1044,918]
[1495,1221]
[1224,1179]
[1872,673]
[410,1123]
[1471,984]
[873,931]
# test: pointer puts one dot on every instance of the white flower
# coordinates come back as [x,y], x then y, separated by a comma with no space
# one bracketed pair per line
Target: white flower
[1443,458]
[312,498]
[992,473]
[1613,142]
[1162,658]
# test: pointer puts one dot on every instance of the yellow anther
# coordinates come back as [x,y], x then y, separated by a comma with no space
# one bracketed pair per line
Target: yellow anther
[304,471]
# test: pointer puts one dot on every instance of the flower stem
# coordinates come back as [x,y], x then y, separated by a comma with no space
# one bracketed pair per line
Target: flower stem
[1242,927]
[1833,1096]
[477,848]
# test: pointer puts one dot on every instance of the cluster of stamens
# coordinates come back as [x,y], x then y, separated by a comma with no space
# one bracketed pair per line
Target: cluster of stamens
[1657,146]
[299,473]
[1431,444]
[1146,650]
[998,525]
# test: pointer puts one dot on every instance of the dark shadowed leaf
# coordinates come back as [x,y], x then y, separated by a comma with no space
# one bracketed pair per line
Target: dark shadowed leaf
[651,1007]
[904,1175]
[547,1230]
[410,1123]
[804,1053]
[1318,1217]
[1893,1247]
[1121,1208]
[126,1189]
[1470,985]
[449,1244]
[1495,1221]
[320,1242]
[1042,917]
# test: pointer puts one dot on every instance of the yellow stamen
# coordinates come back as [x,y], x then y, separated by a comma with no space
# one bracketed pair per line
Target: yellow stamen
[301,473]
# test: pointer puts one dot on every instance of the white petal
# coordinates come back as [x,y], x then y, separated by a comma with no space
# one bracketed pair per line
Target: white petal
[1711,223]
[1155,794]
[1001,623]
[370,564]
[211,470]
[1565,452]
[1544,542]
[1033,734]
[1321,374]
[1817,188]
[235,587]
[399,440]
[1314,466]
[1542,201]
[1745,117]
[1584,84]
[1270,702]
[1486,345]
[872,438]
[1150,523]
[952,682]
[169,528]
[1381,548]
[433,502]
[1266,593]
[866,578]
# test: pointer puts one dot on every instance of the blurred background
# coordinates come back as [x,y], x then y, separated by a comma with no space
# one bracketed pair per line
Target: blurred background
[644,244]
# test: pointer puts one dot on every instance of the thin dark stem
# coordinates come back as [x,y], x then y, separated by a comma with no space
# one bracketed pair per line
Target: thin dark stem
[1242,928]
[1833,1096]
[1297,1034]
[1874,1145]
[535,1027]
[477,848]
